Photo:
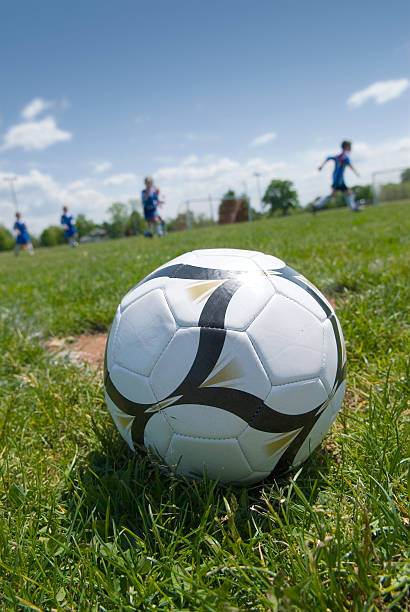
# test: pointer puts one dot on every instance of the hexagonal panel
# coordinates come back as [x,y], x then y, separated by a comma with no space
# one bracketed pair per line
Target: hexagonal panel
[158,434]
[187,297]
[249,300]
[301,296]
[263,449]
[219,459]
[267,262]
[132,386]
[139,291]
[239,367]
[297,397]
[204,421]
[145,329]
[224,259]
[175,362]
[288,340]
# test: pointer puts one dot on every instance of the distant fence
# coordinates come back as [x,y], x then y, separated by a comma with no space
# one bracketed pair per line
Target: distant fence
[387,185]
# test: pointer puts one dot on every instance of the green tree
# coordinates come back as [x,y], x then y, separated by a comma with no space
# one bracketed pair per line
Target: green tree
[280,195]
[405,176]
[6,239]
[83,225]
[179,223]
[52,236]
[119,217]
[363,192]
[201,220]
[118,212]
[136,223]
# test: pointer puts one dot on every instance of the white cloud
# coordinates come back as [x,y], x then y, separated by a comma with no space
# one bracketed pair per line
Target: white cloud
[263,139]
[141,118]
[380,92]
[189,161]
[34,108]
[100,167]
[258,164]
[192,136]
[78,184]
[121,179]
[212,176]
[34,135]
[207,172]
[41,197]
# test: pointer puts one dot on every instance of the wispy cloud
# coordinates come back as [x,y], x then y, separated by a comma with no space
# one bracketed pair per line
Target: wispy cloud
[41,195]
[34,135]
[35,107]
[121,179]
[380,92]
[202,172]
[191,136]
[263,139]
[141,118]
[41,198]
[101,167]
[188,161]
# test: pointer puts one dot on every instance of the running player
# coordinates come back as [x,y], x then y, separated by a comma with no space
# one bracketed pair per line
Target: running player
[22,237]
[70,230]
[341,161]
[149,199]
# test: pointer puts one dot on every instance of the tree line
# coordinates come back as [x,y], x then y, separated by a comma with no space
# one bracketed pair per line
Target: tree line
[280,197]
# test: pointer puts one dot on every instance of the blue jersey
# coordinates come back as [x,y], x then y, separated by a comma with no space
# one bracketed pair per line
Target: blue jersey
[69,225]
[149,201]
[22,234]
[341,161]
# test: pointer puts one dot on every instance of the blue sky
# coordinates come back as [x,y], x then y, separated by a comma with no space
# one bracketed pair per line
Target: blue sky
[96,95]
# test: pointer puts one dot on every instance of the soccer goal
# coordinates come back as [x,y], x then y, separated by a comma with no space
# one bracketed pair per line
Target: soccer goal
[390,185]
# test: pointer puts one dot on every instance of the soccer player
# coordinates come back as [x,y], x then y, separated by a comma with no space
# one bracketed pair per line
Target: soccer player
[149,199]
[341,161]
[22,237]
[70,230]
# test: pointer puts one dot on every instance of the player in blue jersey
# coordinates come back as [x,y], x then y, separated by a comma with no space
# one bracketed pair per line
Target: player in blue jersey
[338,184]
[70,230]
[22,238]
[149,197]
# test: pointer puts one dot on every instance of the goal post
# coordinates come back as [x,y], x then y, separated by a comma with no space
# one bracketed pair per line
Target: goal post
[390,185]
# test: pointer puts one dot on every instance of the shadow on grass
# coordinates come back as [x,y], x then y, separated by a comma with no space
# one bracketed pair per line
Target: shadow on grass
[117,491]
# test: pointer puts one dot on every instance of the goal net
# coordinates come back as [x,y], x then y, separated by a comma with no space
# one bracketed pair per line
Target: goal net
[390,185]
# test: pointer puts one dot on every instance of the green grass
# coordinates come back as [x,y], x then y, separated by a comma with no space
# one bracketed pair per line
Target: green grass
[87,525]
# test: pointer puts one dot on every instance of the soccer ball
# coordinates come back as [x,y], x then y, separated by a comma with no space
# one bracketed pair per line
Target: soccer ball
[227,363]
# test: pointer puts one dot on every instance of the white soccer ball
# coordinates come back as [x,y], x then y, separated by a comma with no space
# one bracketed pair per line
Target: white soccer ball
[227,363]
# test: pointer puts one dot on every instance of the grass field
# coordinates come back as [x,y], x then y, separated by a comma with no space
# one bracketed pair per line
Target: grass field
[87,525]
